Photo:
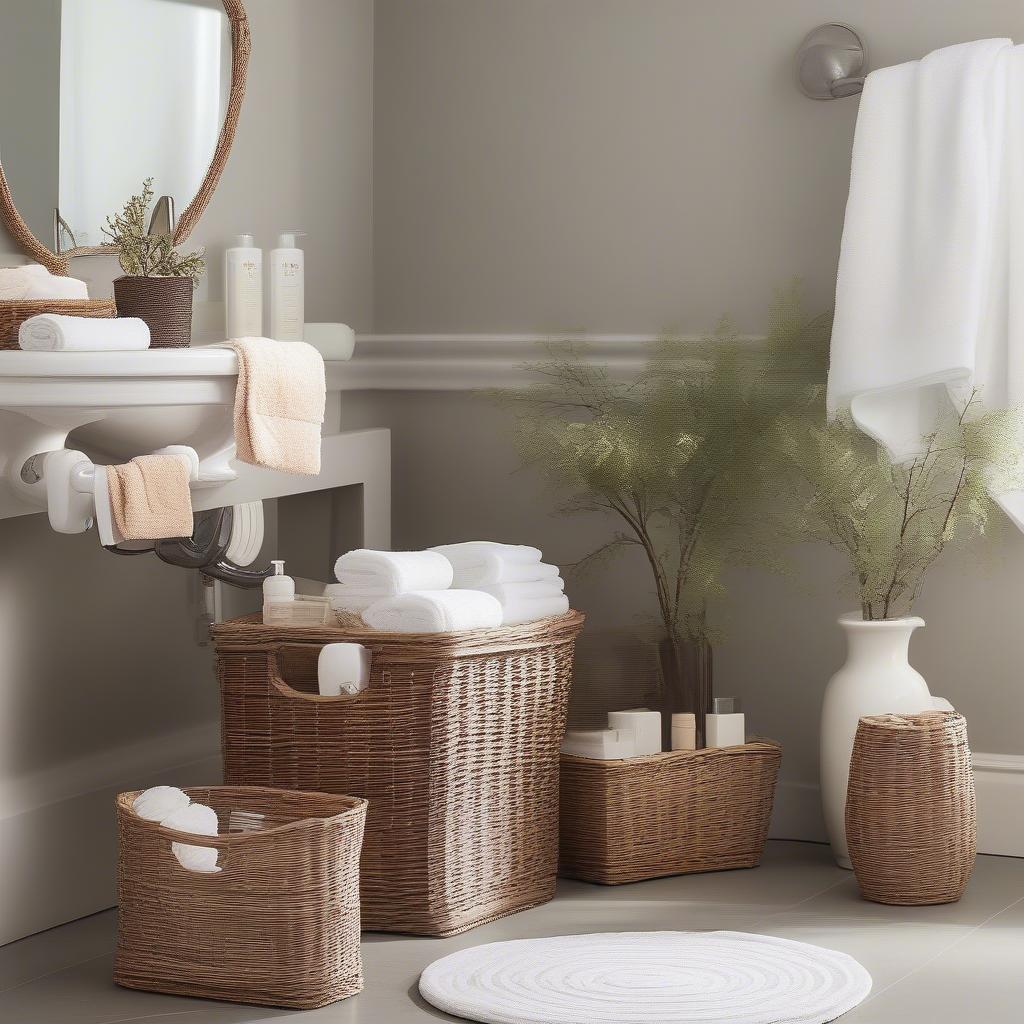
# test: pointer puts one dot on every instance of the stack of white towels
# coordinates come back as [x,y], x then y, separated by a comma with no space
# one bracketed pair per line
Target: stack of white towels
[476,585]
[174,809]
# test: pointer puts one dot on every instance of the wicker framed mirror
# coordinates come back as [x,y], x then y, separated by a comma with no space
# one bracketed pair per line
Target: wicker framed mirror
[116,91]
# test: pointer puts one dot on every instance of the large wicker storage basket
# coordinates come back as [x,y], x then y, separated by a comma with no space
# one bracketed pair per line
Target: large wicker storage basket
[455,744]
[277,925]
[668,814]
[911,822]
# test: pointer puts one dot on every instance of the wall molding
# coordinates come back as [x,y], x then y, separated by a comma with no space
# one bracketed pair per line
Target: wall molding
[998,780]
[468,362]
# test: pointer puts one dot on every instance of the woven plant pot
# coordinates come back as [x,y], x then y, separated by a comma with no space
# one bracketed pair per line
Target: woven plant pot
[164,303]
[911,822]
[14,312]
[455,744]
[278,925]
[674,813]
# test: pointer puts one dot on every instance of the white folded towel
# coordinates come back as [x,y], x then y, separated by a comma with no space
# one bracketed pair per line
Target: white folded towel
[532,609]
[199,820]
[524,591]
[15,283]
[159,802]
[434,611]
[55,332]
[34,281]
[393,572]
[931,270]
[485,561]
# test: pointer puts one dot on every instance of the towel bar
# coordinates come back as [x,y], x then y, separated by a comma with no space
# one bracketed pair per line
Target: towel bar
[830,63]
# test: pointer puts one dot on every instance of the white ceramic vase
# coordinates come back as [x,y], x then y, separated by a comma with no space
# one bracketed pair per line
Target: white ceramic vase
[876,679]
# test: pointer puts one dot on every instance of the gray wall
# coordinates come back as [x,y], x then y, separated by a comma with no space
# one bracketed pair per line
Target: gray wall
[98,654]
[628,166]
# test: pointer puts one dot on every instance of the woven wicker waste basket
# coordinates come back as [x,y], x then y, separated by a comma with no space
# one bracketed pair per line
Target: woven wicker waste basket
[454,743]
[668,814]
[911,822]
[276,925]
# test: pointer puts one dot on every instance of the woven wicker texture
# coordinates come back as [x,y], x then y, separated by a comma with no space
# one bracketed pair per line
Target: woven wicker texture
[57,263]
[455,744]
[911,823]
[13,313]
[668,814]
[278,925]
[164,303]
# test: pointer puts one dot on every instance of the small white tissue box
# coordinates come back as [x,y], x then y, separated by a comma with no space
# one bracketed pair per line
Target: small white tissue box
[645,725]
[600,744]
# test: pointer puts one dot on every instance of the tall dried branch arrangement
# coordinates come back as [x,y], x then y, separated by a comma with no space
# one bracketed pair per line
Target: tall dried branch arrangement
[894,520]
[679,453]
[142,254]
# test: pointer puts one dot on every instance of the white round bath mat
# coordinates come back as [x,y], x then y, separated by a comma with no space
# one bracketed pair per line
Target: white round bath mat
[647,978]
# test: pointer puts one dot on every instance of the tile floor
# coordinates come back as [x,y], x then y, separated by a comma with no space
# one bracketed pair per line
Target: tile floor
[961,963]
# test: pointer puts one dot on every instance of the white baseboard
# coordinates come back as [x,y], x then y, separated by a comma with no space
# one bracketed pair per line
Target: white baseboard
[57,833]
[998,780]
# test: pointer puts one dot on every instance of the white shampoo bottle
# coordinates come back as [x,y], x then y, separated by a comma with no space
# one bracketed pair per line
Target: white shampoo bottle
[287,289]
[243,289]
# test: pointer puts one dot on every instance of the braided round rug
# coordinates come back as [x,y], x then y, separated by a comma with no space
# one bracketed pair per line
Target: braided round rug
[647,978]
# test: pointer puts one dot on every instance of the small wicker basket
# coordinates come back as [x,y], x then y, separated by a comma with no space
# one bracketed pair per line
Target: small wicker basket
[277,925]
[911,822]
[668,814]
[14,312]
[455,744]
[163,303]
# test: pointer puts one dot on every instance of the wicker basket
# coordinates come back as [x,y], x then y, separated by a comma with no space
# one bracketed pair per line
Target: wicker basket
[911,823]
[455,744]
[278,925]
[668,814]
[14,312]
[164,303]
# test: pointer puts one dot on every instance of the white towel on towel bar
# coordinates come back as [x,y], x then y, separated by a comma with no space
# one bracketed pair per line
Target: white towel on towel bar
[930,292]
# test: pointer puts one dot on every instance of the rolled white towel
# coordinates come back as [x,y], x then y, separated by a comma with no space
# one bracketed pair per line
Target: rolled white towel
[434,611]
[532,609]
[199,820]
[159,802]
[393,572]
[524,591]
[56,332]
[356,600]
[478,562]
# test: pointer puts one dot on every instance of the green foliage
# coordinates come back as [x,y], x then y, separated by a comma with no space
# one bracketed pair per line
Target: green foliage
[893,521]
[678,452]
[143,255]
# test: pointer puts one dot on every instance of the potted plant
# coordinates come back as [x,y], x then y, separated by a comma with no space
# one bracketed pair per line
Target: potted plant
[158,281]
[892,521]
[676,453]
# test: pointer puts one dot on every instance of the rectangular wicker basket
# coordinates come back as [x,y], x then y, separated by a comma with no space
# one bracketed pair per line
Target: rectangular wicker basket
[668,814]
[277,925]
[14,312]
[455,744]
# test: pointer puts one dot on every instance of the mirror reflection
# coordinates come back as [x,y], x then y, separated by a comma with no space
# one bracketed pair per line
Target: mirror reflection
[100,94]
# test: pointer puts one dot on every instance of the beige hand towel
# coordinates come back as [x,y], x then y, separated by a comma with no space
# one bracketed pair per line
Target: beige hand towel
[150,498]
[279,404]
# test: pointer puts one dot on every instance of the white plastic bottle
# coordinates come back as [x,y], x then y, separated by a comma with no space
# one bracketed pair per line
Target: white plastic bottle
[287,289]
[243,289]
[277,589]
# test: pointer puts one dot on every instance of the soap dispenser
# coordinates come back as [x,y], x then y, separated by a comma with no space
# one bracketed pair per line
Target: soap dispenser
[243,289]
[278,589]
[287,289]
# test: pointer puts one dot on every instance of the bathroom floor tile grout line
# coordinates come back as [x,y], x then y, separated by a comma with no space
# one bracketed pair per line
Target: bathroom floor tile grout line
[970,930]
[53,973]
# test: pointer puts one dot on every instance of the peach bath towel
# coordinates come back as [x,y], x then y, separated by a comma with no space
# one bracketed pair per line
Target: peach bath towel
[150,497]
[279,404]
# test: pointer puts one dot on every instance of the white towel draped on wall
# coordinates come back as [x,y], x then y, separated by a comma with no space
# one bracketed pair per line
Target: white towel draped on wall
[930,292]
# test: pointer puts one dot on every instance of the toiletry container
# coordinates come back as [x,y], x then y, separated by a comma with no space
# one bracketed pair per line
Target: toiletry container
[243,289]
[725,725]
[645,726]
[684,731]
[278,589]
[343,668]
[287,289]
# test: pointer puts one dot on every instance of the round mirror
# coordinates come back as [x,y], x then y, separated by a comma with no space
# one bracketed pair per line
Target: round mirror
[102,94]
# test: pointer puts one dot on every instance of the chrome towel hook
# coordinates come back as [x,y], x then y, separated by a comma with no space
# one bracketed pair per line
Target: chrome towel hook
[830,63]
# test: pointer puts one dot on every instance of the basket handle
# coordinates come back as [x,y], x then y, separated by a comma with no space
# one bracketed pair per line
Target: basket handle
[227,851]
[276,680]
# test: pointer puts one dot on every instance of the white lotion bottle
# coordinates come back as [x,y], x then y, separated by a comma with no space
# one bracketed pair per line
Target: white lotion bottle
[287,289]
[243,289]
[277,589]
